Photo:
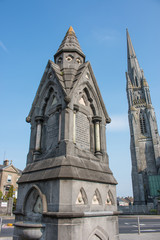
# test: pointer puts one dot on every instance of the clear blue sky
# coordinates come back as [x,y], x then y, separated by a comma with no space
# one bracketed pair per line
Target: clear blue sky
[30,34]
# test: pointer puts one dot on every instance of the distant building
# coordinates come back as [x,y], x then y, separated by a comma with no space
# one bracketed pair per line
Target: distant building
[9,176]
[121,201]
[129,200]
[145,142]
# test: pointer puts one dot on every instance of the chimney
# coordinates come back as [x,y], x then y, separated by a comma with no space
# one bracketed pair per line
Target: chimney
[6,162]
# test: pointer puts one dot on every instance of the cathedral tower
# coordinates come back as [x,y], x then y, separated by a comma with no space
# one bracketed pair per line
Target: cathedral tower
[144,145]
[67,190]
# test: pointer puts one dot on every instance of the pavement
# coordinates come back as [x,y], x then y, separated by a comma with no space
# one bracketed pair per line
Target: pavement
[140,216]
[142,236]
[6,238]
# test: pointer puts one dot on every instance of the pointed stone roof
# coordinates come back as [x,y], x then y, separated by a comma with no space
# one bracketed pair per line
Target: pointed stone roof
[144,81]
[70,43]
[131,57]
[130,49]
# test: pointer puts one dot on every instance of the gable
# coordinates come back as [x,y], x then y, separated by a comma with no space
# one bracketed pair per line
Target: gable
[86,82]
[51,84]
[53,77]
[11,168]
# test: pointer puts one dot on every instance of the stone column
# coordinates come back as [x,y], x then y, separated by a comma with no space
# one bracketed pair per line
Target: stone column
[39,120]
[96,121]
[59,109]
[92,142]
[74,126]
[75,110]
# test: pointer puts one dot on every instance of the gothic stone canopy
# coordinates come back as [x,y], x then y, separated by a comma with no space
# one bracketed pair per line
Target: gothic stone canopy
[67,184]
[68,119]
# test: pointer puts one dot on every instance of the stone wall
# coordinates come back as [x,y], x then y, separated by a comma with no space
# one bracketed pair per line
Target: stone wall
[6,207]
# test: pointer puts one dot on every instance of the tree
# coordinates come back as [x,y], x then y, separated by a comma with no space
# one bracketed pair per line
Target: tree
[10,192]
[1,194]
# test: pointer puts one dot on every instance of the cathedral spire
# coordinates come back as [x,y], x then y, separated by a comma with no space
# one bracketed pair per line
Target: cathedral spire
[130,49]
[145,145]
[133,64]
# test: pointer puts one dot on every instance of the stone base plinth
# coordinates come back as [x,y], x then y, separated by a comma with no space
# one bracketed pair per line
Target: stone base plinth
[57,227]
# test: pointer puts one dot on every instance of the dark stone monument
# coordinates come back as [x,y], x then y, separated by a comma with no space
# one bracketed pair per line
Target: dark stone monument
[67,190]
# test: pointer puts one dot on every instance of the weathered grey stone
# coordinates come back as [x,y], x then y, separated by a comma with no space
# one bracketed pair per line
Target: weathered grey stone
[145,144]
[67,190]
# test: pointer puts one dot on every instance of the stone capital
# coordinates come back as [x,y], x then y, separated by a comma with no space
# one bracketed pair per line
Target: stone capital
[39,118]
[76,107]
[96,119]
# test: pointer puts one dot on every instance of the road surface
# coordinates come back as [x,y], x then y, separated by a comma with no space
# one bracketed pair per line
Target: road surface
[127,225]
[147,224]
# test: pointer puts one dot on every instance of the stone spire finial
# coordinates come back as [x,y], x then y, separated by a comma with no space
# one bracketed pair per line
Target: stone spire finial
[130,49]
[70,30]
[131,57]
[70,43]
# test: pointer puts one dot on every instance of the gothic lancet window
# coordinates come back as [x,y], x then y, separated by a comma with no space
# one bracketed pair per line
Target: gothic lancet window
[136,80]
[142,120]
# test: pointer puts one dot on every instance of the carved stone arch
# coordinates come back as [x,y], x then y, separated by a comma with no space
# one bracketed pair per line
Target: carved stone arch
[111,197]
[84,99]
[88,94]
[97,199]
[49,88]
[46,99]
[97,105]
[98,234]
[82,197]
[92,97]
[91,101]
[41,195]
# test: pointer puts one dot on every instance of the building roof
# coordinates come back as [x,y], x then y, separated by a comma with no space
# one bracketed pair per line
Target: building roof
[4,167]
[70,43]
[132,59]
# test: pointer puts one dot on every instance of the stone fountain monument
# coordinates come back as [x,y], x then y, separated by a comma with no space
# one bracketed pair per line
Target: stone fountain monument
[67,190]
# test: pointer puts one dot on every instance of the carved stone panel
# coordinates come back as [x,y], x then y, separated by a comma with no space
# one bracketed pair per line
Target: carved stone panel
[82,131]
[52,132]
